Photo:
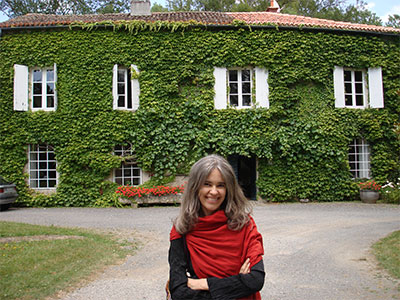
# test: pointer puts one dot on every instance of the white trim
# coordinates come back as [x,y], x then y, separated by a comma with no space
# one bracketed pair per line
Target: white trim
[21,87]
[115,87]
[262,89]
[375,84]
[220,97]
[135,89]
[338,83]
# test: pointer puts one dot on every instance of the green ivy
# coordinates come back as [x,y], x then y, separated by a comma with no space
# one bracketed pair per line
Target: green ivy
[301,140]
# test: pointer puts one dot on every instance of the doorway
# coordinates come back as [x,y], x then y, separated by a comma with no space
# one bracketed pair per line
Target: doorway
[246,174]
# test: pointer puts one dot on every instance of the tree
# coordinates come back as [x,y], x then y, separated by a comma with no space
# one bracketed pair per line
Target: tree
[14,8]
[158,8]
[394,21]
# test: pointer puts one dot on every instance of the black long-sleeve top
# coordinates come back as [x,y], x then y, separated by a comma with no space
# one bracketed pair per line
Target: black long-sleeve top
[228,288]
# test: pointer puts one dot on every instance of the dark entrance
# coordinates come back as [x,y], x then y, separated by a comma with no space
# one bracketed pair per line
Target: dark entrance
[245,171]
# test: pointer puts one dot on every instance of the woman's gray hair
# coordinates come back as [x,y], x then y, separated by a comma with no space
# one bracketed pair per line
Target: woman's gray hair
[235,205]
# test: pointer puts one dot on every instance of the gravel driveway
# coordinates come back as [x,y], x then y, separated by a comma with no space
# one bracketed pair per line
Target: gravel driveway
[314,251]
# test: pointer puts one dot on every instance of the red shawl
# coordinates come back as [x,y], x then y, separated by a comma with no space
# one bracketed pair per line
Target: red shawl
[217,251]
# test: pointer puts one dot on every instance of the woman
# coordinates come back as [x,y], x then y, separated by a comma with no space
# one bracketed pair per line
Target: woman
[216,250]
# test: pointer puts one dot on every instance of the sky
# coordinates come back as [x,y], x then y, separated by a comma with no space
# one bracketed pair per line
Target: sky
[382,8]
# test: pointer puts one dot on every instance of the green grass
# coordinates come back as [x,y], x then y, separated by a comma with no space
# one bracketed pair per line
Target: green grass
[37,269]
[387,251]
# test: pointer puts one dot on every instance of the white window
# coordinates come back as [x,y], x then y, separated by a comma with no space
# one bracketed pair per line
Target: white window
[37,86]
[42,167]
[126,88]
[240,84]
[359,159]
[235,87]
[128,173]
[357,88]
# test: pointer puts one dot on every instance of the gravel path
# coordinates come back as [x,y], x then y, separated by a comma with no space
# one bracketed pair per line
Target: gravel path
[314,251]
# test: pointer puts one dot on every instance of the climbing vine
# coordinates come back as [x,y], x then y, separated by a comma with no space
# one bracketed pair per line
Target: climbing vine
[301,140]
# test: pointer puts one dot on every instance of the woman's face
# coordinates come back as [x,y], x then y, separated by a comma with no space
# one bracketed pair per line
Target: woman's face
[212,192]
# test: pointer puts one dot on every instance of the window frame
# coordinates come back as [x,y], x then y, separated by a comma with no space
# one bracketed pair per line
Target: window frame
[362,156]
[240,82]
[129,163]
[44,93]
[353,93]
[38,149]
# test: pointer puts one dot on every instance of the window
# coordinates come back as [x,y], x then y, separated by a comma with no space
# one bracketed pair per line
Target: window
[240,84]
[125,88]
[42,167]
[241,87]
[129,173]
[357,88]
[43,89]
[37,86]
[359,159]
[355,92]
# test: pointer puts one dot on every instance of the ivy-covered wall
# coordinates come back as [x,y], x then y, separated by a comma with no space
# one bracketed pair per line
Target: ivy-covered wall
[301,141]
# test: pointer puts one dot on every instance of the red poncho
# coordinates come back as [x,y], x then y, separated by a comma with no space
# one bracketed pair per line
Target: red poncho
[217,251]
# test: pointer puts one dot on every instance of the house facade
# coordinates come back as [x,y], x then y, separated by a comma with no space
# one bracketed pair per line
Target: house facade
[301,107]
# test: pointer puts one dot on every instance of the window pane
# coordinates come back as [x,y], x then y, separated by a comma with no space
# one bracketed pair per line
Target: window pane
[118,180]
[33,156]
[33,165]
[233,100]
[51,156]
[52,183]
[37,101]
[347,75]
[359,100]
[50,75]
[349,100]
[37,88]
[121,101]
[127,172]
[42,174]
[245,75]
[50,88]
[246,88]
[358,75]
[42,165]
[246,100]
[233,76]
[37,75]
[118,173]
[347,88]
[359,88]
[121,88]
[33,175]
[233,88]
[52,174]
[135,181]
[42,156]
[136,172]
[43,183]
[33,184]
[121,75]
[52,165]
[50,101]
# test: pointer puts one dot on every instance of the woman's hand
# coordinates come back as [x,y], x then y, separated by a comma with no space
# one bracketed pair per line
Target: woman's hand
[198,284]
[245,269]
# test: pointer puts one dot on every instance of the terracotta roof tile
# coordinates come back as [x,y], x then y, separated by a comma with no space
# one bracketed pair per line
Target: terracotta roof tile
[216,18]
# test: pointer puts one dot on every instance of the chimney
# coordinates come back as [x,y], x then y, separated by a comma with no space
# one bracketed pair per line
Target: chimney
[274,7]
[140,8]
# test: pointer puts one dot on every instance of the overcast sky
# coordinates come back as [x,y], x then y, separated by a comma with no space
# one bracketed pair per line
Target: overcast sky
[382,8]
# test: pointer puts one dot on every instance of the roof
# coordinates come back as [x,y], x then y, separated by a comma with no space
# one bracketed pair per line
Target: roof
[202,17]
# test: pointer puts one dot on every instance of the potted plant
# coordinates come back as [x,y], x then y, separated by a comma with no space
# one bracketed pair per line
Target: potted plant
[369,191]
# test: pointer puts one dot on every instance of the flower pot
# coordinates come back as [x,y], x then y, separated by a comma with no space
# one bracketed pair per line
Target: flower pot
[369,196]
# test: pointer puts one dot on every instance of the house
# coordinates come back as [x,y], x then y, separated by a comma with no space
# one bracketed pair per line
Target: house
[300,106]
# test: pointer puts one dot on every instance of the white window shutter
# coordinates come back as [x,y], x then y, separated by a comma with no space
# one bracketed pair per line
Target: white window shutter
[21,81]
[220,88]
[375,84]
[135,89]
[262,90]
[338,83]
[55,86]
[115,87]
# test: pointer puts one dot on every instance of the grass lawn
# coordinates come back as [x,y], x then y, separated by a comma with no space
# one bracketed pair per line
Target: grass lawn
[387,251]
[36,269]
